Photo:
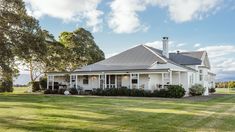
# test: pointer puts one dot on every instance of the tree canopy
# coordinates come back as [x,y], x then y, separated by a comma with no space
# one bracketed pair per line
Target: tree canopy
[20,38]
[80,48]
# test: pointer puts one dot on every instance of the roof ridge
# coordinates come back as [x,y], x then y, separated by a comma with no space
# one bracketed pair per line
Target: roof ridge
[154,53]
[190,51]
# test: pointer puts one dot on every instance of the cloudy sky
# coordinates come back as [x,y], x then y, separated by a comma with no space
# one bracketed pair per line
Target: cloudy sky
[121,24]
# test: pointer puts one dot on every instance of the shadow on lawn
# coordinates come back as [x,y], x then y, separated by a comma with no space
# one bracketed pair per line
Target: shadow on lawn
[65,113]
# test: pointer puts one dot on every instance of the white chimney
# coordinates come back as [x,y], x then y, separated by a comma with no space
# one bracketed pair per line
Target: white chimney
[165,49]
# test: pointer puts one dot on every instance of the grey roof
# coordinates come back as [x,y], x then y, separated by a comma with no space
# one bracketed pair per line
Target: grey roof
[187,58]
[183,58]
[143,57]
[138,57]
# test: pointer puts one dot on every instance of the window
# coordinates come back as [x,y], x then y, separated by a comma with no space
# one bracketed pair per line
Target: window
[191,79]
[112,79]
[134,78]
[85,79]
[200,71]
[134,81]
[73,78]
[200,75]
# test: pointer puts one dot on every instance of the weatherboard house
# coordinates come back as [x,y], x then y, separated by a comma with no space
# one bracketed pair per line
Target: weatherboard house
[141,67]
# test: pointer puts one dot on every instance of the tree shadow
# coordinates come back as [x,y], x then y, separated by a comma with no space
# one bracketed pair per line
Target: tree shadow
[65,113]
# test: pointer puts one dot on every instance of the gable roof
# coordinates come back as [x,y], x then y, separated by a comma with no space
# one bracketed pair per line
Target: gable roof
[144,57]
[138,57]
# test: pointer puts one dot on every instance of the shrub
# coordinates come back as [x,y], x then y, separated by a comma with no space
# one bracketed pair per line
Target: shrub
[175,91]
[43,83]
[48,91]
[160,93]
[35,86]
[61,90]
[212,90]
[6,86]
[196,90]
[73,91]
[55,91]
[97,91]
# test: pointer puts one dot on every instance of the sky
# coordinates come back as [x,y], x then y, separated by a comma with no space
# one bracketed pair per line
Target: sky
[121,24]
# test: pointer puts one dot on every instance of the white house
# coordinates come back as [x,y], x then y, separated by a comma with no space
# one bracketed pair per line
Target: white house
[141,67]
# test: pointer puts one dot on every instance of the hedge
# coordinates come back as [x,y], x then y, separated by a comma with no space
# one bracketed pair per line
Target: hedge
[173,91]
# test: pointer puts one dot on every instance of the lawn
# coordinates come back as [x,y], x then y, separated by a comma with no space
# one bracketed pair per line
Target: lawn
[29,112]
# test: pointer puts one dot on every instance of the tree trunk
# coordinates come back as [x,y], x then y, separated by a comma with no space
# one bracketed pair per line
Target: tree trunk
[31,71]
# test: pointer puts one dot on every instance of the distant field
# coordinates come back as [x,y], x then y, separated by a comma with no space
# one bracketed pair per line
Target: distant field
[37,112]
[20,90]
[225,90]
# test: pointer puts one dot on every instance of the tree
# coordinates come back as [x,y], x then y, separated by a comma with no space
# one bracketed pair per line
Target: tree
[80,49]
[20,38]
[231,84]
[37,62]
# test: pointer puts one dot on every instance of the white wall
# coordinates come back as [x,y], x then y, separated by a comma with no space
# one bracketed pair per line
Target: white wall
[154,79]
[93,82]
[144,80]
[175,78]
[185,81]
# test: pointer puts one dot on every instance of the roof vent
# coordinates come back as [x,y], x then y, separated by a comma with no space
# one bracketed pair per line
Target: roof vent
[178,51]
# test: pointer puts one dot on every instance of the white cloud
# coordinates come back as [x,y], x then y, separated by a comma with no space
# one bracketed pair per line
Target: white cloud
[187,10]
[155,44]
[173,46]
[124,18]
[180,44]
[68,11]
[218,51]
[124,13]
[197,45]
[222,60]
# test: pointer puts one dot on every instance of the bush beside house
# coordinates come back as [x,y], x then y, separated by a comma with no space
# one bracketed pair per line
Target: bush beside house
[212,90]
[172,91]
[43,83]
[35,86]
[196,90]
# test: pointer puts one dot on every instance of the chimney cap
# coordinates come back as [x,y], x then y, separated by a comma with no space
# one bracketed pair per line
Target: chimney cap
[178,51]
[165,38]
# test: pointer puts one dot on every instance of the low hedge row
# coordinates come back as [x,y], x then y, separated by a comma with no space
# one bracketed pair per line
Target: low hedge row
[173,91]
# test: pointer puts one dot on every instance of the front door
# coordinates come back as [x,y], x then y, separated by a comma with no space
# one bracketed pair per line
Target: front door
[110,81]
[119,81]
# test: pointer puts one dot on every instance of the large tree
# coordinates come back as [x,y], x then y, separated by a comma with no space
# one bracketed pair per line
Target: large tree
[20,38]
[80,49]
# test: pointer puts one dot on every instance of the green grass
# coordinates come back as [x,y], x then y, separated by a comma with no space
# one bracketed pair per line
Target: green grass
[225,90]
[29,112]
[20,90]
